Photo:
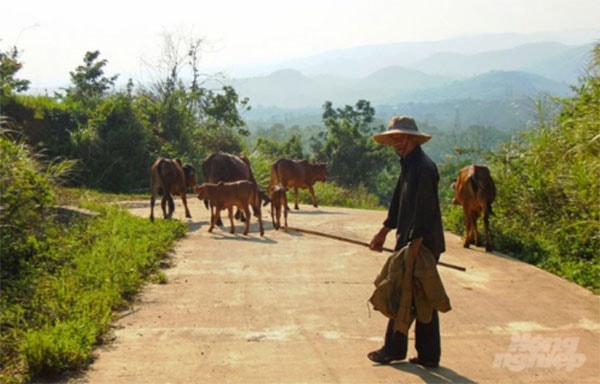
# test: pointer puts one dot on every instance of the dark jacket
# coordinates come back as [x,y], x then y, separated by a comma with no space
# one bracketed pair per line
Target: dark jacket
[415,209]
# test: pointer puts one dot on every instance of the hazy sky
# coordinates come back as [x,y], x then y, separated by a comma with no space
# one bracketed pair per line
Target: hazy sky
[55,34]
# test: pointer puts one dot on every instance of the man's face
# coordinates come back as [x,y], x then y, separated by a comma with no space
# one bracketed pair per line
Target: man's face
[404,145]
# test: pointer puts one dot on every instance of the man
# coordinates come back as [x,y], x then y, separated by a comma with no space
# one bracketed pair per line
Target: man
[414,212]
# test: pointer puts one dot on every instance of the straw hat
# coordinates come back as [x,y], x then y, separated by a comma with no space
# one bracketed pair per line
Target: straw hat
[400,125]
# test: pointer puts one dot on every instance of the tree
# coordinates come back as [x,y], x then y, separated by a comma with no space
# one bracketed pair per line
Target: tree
[190,119]
[352,157]
[271,149]
[9,66]
[114,146]
[89,84]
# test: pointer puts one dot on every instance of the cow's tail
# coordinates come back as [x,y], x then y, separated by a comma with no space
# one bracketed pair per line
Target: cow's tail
[247,162]
[489,208]
[256,199]
[474,184]
[163,185]
[274,176]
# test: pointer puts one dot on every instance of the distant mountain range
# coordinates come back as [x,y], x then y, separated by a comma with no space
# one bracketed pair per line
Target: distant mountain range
[504,68]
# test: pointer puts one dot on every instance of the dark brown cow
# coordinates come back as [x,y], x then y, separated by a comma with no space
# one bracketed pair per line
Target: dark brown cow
[298,174]
[219,166]
[475,190]
[169,177]
[240,194]
[278,204]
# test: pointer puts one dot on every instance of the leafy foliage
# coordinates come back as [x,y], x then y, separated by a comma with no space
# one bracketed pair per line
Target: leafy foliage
[549,178]
[89,84]
[25,196]
[114,146]
[9,66]
[347,146]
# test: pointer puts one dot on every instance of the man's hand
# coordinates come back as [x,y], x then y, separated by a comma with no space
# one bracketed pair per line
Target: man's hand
[376,243]
[415,245]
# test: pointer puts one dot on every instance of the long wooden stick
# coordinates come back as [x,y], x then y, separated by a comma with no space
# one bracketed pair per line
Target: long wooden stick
[301,230]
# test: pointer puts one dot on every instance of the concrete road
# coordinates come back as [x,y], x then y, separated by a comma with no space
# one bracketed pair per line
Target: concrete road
[292,308]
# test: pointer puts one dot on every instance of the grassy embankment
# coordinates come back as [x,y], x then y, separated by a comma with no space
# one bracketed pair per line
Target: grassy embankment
[85,269]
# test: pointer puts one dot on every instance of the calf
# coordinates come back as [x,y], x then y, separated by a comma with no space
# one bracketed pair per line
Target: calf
[475,190]
[226,195]
[220,166]
[278,204]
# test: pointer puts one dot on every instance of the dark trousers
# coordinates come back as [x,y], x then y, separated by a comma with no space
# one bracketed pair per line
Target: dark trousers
[427,340]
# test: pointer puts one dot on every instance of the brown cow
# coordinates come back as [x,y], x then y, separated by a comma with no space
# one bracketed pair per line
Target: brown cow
[475,190]
[278,203]
[219,166]
[169,177]
[240,194]
[298,174]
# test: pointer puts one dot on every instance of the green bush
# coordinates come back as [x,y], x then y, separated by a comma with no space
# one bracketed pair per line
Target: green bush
[549,187]
[63,275]
[25,194]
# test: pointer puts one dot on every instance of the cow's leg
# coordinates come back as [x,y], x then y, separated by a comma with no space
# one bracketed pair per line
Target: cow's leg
[213,218]
[285,215]
[171,202]
[152,202]
[218,215]
[486,226]
[260,223]
[212,214]
[239,215]
[475,237]
[187,211]
[247,214]
[163,205]
[215,215]
[274,215]
[278,209]
[312,195]
[210,206]
[467,217]
[258,215]
[296,198]
[230,212]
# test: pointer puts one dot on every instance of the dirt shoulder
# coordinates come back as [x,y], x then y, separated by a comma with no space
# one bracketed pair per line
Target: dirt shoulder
[292,308]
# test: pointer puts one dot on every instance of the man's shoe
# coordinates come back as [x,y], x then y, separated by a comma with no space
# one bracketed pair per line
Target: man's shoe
[424,363]
[381,357]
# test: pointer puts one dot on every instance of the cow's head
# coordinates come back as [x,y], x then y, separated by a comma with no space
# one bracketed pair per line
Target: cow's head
[201,191]
[320,171]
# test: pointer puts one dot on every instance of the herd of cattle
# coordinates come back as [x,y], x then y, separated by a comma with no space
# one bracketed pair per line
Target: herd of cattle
[229,182]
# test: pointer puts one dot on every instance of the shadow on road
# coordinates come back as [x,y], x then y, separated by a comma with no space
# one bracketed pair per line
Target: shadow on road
[315,211]
[435,375]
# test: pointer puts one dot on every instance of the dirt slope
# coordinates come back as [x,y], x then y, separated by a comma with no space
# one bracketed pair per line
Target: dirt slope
[292,308]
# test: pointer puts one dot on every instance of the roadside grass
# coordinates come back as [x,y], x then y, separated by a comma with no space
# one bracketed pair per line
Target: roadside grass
[63,301]
[331,195]
[85,196]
